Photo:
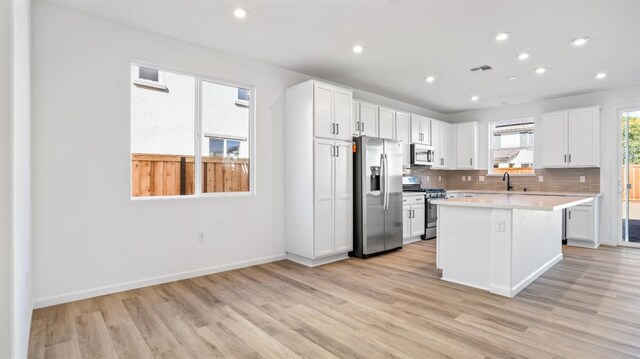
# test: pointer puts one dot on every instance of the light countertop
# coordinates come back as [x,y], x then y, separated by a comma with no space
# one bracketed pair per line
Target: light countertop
[528,193]
[516,201]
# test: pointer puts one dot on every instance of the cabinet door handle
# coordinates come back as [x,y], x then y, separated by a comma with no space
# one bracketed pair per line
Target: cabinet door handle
[362,126]
[565,158]
[569,214]
[409,213]
[413,213]
[337,151]
[333,128]
[337,128]
[357,125]
[569,158]
[471,161]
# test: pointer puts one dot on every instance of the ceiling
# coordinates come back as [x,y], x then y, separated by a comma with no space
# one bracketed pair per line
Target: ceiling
[406,40]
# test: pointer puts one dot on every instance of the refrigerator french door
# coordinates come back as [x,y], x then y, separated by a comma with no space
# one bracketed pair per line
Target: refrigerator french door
[377,196]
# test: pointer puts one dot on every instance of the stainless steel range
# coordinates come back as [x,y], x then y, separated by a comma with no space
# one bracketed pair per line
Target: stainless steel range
[414,184]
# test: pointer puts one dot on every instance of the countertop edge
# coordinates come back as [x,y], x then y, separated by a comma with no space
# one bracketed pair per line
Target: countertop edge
[454,203]
[534,193]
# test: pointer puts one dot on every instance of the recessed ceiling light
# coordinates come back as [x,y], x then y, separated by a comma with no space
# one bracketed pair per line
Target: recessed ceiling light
[523,56]
[541,70]
[358,49]
[430,79]
[475,98]
[502,36]
[601,75]
[579,41]
[512,78]
[240,13]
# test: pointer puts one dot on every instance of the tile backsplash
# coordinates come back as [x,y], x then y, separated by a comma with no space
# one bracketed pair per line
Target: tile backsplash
[554,180]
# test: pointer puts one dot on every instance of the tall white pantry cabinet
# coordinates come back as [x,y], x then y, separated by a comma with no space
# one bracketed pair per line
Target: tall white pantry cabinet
[318,173]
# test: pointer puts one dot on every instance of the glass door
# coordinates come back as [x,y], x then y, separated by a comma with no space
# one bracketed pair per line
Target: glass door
[630,177]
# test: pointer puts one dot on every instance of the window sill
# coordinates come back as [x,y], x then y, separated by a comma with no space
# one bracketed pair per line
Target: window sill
[242,103]
[193,196]
[151,85]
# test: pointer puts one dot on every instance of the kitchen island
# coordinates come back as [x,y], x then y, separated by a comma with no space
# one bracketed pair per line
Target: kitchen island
[500,242]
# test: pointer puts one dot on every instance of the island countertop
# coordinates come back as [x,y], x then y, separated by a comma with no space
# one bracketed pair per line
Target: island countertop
[515,201]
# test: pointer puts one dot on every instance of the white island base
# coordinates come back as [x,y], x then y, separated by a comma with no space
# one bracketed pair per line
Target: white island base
[501,250]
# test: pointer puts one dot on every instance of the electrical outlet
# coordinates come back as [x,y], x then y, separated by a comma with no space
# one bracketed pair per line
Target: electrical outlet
[464,178]
[540,178]
[439,178]
[200,236]
[481,178]
[583,179]
[428,179]
[469,178]
[501,226]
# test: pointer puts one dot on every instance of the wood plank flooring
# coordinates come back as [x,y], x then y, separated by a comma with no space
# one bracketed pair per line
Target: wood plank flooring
[587,306]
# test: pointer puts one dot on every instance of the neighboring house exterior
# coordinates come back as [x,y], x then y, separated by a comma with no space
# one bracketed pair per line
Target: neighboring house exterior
[163,120]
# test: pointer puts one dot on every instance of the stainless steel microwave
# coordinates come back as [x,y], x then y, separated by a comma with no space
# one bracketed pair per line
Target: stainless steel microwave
[422,155]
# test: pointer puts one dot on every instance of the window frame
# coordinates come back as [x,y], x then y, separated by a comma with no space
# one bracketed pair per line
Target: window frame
[490,147]
[199,135]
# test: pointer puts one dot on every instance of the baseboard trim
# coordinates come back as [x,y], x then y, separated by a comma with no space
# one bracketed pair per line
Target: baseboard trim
[115,288]
[533,276]
[316,262]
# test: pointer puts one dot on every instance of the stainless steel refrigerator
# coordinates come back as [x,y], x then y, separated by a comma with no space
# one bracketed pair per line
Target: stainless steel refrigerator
[377,196]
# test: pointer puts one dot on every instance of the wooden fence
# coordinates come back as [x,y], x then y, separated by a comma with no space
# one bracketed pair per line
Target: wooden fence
[169,175]
[634,179]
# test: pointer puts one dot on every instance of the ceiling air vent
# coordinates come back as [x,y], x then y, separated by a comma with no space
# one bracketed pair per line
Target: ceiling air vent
[482,68]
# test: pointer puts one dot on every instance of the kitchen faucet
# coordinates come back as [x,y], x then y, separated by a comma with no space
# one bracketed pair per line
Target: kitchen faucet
[509,186]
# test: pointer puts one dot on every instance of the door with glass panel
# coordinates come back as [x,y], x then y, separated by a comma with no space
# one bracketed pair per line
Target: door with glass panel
[630,184]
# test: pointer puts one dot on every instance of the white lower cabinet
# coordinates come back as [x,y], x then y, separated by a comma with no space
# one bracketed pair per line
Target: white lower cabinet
[581,225]
[413,217]
[417,220]
[333,197]
[406,222]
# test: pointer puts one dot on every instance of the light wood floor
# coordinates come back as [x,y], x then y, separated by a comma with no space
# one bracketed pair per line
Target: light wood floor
[587,306]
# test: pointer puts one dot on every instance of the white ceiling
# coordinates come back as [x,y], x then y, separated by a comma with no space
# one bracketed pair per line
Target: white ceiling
[406,40]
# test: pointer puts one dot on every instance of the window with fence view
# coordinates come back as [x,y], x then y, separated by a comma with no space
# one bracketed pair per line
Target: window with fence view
[178,149]
[511,147]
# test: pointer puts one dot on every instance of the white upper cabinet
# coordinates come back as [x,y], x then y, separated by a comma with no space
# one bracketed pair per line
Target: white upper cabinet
[583,137]
[323,124]
[420,130]
[331,112]
[554,139]
[355,116]
[403,134]
[441,143]
[342,113]
[386,123]
[467,149]
[368,119]
[571,138]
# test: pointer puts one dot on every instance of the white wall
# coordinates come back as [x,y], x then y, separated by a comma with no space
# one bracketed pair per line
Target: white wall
[609,145]
[6,289]
[89,237]
[15,193]
[22,173]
